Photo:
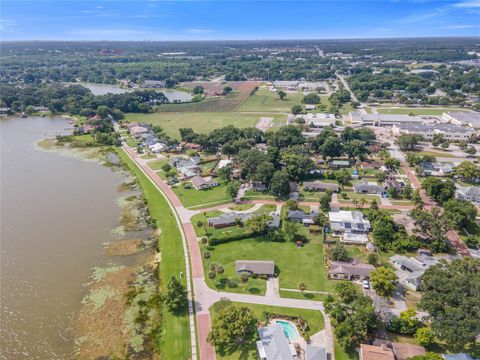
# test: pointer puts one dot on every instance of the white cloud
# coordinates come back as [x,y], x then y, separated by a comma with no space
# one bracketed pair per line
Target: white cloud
[7,25]
[198,31]
[458,26]
[468,4]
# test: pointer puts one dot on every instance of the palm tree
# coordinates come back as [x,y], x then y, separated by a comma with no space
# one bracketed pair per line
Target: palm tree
[355,202]
[363,201]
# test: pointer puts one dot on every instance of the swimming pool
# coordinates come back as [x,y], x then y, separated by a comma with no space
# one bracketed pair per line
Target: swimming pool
[289,329]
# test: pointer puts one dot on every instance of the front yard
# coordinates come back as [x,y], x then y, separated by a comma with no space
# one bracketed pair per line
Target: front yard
[209,197]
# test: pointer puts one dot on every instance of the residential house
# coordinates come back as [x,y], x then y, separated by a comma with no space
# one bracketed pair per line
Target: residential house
[274,222]
[319,186]
[153,84]
[258,186]
[412,269]
[4,111]
[468,193]
[459,356]
[340,270]
[255,267]
[289,85]
[404,351]
[350,225]
[191,146]
[224,163]
[366,187]
[274,344]
[227,219]
[371,164]
[137,131]
[391,182]
[301,217]
[371,352]
[437,168]
[337,164]
[310,107]
[187,167]
[200,183]
[158,147]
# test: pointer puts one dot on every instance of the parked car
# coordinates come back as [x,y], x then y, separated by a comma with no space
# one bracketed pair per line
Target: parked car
[366,284]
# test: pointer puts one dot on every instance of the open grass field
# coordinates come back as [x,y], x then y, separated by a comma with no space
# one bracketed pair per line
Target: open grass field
[174,339]
[202,122]
[265,100]
[313,318]
[192,197]
[292,264]
[417,111]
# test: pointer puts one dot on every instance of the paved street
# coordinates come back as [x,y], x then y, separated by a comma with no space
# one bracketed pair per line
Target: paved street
[201,297]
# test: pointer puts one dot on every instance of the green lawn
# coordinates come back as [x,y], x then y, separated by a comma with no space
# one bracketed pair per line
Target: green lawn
[435,154]
[341,354]
[302,296]
[266,209]
[194,198]
[417,111]
[157,164]
[258,195]
[202,122]
[241,207]
[292,264]
[313,318]
[174,337]
[268,101]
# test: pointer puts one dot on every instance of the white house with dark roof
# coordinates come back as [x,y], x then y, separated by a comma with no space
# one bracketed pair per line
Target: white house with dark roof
[468,193]
[350,225]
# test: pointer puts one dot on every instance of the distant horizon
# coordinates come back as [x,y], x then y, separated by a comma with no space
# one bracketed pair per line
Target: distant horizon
[252,40]
[222,20]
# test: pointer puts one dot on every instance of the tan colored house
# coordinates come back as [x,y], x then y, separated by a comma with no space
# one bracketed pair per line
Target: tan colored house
[256,267]
[370,352]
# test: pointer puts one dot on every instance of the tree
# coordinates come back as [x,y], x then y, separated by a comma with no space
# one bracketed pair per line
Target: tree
[450,296]
[282,94]
[391,163]
[473,241]
[227,90]
[374,204]
[166,167]
[257,224]
[290,229]
[264,172]
[417,198]
[311,99]
[296,109]
[440,190]
[424,336]
[407,191]
[343,177]
[471,150]
[468,171]
[176,297]
[433,226]
[280,184]
[339,253]
[301,286]
[372,259]
[331,148]
[427,356]
[383,281]
[408,141]
[459,213]
[232,188]
[197,90]
[232,327]
[325,200]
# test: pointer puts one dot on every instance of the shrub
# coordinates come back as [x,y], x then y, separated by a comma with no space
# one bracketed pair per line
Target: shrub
[231,283]
[244,277]
[220,269]
[211,275]
[216,240]
[206,254]
[213,267]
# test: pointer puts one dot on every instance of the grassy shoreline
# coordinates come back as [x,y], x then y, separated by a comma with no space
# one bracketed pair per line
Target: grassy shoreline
[174,339]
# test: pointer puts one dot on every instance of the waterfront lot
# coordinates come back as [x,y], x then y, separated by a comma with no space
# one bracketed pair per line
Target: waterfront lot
[174,336]
[202,122]
[292,264]
[193,198]
[313,318]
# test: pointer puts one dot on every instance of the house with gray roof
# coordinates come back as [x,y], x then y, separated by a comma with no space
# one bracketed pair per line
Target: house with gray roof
[301,217]
[468,193]
[227,219]
[412,269]
[437,168]
[461,118]
[200,183]
[340,270]
[273,344]
[319,186]
[366,187]
[351,225]
[256,267]
[357,117]
[274,222]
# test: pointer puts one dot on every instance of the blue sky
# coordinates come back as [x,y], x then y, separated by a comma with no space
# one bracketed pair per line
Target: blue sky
[218,20]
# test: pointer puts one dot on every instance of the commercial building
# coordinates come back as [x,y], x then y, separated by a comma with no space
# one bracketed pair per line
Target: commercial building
[462,118]
[449,132]
[319,120]
[381,119]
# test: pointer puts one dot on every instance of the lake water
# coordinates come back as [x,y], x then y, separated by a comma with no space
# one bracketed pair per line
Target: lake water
[56,211]
[102,89]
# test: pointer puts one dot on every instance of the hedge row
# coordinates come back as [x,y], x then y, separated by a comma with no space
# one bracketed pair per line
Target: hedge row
[216,240]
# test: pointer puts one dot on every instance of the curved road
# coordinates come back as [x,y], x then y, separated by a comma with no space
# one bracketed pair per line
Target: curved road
[202,297]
